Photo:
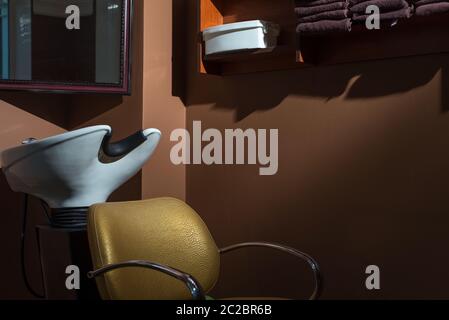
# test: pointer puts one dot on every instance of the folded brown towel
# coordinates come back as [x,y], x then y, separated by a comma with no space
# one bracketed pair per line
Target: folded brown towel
[354,2]
[434,8]
[310,11]
[324,27]
[328,15]
[383,5]
[419,3]
[314,3]
[393,15]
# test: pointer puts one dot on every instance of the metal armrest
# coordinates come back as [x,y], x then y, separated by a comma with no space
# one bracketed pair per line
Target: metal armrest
[192,284]
[312,263]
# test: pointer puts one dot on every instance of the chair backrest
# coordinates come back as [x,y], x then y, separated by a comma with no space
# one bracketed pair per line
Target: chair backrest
[165,231]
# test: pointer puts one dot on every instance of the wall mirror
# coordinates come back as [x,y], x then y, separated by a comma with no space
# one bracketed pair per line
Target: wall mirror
[65,45]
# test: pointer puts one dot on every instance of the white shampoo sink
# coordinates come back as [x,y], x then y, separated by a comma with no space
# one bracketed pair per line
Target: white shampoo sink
[78,168]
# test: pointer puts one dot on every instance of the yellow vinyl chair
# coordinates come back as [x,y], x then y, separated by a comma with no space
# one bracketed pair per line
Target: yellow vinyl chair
[160,249]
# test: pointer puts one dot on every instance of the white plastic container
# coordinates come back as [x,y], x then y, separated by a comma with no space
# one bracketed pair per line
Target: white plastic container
[257,35]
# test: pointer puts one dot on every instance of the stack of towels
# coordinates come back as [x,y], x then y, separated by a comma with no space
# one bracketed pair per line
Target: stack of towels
[316,17]
[429,7]
[322,16]
[390,10]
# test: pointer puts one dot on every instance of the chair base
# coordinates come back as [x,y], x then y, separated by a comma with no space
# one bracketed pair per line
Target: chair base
[58,249]
[69,218]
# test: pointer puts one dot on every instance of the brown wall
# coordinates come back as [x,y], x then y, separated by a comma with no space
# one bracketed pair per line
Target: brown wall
[161,109]
[363,176]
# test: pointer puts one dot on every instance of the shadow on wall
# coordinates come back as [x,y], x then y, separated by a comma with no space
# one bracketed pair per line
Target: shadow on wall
[84,108]
[51,108]
[445,88]
[62,110]
[247,93]
[13,285]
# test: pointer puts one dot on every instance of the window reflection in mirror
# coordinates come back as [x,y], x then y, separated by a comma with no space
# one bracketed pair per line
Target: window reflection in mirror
[36,45]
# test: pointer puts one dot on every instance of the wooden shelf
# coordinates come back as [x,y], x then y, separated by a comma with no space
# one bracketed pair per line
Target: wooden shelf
[412,37]
[415,36]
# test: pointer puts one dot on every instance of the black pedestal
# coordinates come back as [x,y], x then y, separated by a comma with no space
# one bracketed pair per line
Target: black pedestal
[60,248]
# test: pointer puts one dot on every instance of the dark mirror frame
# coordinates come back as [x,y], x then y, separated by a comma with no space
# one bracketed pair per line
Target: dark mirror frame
[123,88]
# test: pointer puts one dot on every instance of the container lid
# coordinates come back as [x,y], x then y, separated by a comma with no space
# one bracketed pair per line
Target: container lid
[252,24]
